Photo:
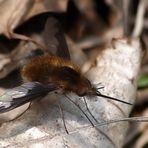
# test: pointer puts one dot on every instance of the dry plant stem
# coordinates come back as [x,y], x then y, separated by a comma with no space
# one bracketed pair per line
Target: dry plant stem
[125,8]
[114,121]
[130,119]
[140,18]
[117,69]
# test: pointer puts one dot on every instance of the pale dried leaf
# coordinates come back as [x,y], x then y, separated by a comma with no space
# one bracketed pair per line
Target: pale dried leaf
[11,14]
[117,69]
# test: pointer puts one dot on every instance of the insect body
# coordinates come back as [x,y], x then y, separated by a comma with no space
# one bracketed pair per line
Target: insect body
[50,71]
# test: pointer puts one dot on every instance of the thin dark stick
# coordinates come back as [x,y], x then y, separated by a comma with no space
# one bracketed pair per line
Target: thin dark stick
[89,110]
[128,119]
[108,97]
[80,109]
[125,5]
[104,123]
[139,21]
[63,118]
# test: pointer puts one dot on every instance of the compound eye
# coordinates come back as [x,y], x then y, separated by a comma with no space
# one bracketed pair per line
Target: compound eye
[89,83]
[82,92]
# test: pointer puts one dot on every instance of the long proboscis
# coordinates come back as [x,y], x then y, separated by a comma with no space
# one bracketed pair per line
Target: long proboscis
[112,98]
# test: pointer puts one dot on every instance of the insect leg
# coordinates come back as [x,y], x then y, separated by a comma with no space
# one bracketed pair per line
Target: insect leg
[63,118]
[89,109]
[77,105]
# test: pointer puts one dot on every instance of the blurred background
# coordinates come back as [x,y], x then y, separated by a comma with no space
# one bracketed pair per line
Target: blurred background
[89,26]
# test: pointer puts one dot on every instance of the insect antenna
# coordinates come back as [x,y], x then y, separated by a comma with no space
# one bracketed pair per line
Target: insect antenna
[77,105]
[112,98]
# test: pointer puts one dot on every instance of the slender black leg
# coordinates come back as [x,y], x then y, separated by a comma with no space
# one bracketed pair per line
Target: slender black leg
[63,118]
[89,110]
[77,105]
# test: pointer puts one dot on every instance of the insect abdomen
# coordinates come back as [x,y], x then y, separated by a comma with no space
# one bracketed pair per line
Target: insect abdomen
[44,68]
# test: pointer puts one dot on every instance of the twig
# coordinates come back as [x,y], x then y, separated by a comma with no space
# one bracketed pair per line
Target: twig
[125,9]
[140,18]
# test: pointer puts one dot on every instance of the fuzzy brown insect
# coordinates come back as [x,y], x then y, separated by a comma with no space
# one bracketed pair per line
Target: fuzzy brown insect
[50,71]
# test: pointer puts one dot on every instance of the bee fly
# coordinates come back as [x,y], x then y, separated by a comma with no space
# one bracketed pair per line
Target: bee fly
[49,72]
[56,67]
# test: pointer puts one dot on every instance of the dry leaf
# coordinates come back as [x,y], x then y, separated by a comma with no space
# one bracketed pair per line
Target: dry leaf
[11,14]
[117,69]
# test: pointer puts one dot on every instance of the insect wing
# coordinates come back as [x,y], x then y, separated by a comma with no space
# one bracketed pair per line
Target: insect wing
[25,93]
[54,39]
